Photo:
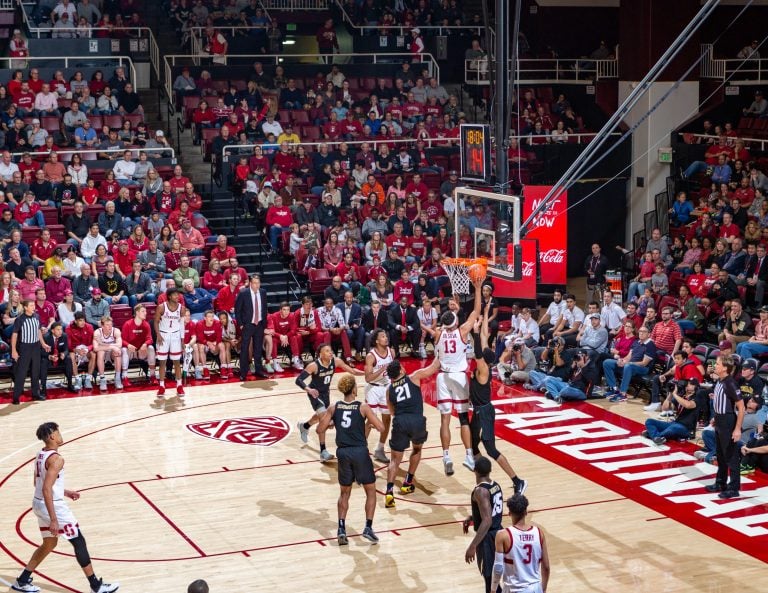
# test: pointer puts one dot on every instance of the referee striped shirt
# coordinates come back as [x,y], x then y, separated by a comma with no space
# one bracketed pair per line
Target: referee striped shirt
[28,328]
[726,396]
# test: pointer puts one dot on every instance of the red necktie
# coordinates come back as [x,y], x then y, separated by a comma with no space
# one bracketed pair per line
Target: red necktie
[404,332]
[375,321]
[256,317]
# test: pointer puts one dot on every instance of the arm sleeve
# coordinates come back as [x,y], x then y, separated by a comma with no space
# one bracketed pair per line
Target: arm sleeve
[301,379]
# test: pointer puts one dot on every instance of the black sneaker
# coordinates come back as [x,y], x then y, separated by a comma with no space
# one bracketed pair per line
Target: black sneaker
[341,537]
[659,440]
[714,487]
[521,487]
[725,494]
[369,534]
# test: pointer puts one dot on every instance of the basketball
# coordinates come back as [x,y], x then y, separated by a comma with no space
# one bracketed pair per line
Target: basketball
[477,272]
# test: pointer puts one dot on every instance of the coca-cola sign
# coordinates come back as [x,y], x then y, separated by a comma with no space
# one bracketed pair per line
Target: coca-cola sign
[525,288]
[550,228]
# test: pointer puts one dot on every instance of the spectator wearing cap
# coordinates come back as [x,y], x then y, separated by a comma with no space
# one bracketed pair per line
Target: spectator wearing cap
[96,308]
[738,324]
[758,343]
[190,238]
[67,309]
[289,135]
[758,107]
[593,335]
[157,146]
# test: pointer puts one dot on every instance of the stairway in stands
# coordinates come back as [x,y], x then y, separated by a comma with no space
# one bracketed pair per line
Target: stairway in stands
[252,248]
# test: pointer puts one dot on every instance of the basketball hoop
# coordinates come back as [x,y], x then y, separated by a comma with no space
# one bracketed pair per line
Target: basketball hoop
[462,271]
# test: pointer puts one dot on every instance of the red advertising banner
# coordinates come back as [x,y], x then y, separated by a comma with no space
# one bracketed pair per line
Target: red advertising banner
[524,288]
[550,228]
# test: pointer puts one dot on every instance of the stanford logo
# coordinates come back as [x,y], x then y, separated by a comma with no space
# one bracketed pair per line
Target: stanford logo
[264,431]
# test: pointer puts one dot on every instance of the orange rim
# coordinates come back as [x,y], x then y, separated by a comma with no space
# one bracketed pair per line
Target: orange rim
[464,261]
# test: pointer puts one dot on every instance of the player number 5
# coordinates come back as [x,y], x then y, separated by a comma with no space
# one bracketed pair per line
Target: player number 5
[346,418]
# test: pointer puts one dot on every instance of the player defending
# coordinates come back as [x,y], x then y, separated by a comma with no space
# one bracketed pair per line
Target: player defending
[522,561]
[169,329]
[137,343]
[487,512]
[481,427]
[452,387]
[319,390]
[406,406]
[53,514]
[377,382]
[349,417]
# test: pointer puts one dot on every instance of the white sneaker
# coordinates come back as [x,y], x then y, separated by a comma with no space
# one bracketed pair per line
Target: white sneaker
[199,374]
[700,454]
[103,383]
[297,364]
[422,352]
[88,381]
[652,407]
[303,432]
[118,382]
[269,368]
[77,384]
[276,365]
[448,466]
[469,463]
[106,588]
[325,455]
[25,588]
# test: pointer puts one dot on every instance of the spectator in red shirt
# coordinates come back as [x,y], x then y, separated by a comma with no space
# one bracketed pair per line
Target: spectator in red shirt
[57,286]
[279,219]
[285,335]
[138,343]
[418,188]
[404,288]
[214,279]
[235,267]
[45,309]
[28,213]
[397,240]
[332,128]
[309,328]
[123,258]
[208,332]
[728,230]
[202,118]
[80,342]
[222,251]
[284,160]
[25,101]
[42,247]
[225,299]
[178,181]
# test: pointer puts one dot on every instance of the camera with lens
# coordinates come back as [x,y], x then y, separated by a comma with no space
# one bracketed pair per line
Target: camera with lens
[679,385]
[517,347]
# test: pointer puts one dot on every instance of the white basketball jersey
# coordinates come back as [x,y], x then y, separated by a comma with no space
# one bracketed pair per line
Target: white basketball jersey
[382,362]
[522,561]
[58,485]
[170,321]
[106,338]
[452,351]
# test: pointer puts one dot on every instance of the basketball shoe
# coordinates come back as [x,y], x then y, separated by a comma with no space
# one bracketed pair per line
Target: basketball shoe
[370,535]
[161,391]
[303,432]
[27,587]
[341,537]
[106,588]
[389,501]
[325,455]
[407,488]
[448,466]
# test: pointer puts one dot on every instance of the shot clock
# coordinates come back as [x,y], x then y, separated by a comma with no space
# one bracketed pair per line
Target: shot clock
[475,152]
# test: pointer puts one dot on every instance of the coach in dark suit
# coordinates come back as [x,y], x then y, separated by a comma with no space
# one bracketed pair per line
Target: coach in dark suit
[251,317]
[353,319]
[404,326]
[756,275]
[374,318]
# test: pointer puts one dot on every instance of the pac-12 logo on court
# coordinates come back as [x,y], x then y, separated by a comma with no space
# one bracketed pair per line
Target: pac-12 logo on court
[258,430]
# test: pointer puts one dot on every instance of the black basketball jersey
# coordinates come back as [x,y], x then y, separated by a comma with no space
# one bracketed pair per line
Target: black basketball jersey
[479,393]
[350,425]
[406,396]
[497,506]
[321,380]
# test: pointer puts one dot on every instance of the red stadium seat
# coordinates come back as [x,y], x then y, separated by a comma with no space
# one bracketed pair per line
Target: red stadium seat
[50,123]
[115,122]
[299,116]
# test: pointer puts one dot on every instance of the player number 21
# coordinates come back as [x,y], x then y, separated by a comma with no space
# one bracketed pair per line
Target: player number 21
[402,393]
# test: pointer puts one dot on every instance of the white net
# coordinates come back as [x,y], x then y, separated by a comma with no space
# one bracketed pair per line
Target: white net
[458,274]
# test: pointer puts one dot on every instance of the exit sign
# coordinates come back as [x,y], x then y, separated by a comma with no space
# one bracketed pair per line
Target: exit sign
[665,156]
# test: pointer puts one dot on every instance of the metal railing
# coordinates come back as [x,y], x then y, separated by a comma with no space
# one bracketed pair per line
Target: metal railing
[98,151]
[386,58]
[7,5]
[295,4]
[574,71]
[74,62]
[732,69]
[143,32]
[751,142]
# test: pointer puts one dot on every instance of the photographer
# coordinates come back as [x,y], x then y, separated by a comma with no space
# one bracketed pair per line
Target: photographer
[755,454]
[556,363]
[683,369]
[681,399]
[584,376]
[516,362]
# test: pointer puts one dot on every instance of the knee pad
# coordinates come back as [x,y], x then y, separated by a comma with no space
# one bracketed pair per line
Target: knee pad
[491,450]
[81,551]
[463,418]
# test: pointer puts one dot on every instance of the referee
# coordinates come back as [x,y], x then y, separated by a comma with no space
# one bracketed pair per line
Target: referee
[729,413]
[26,341]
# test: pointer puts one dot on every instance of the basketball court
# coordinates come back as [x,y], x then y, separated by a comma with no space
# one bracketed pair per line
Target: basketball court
[224,489]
